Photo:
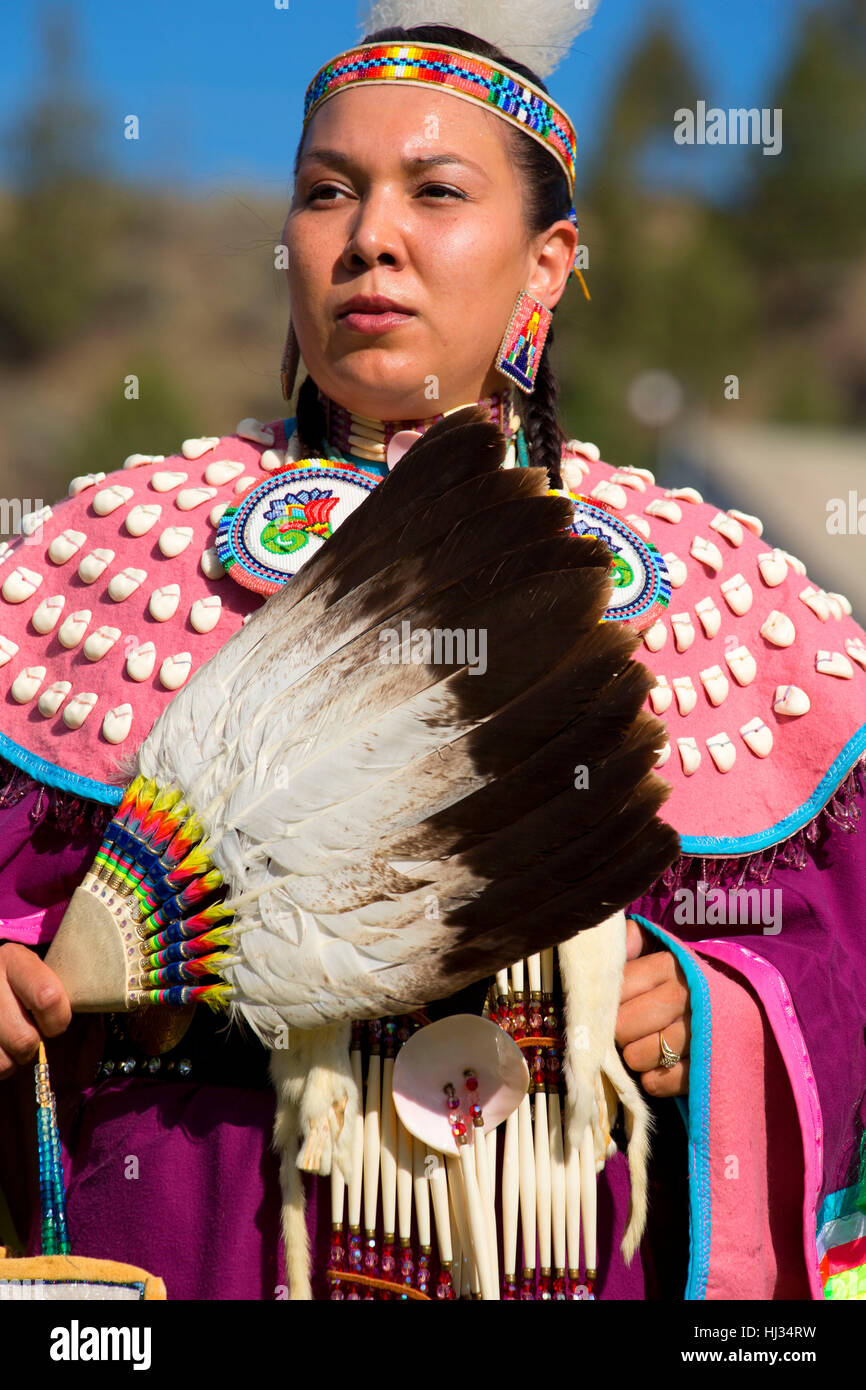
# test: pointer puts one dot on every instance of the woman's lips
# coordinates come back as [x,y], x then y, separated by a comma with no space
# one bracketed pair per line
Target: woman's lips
[363,321]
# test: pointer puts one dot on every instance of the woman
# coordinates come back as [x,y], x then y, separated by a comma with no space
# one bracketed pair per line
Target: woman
[417,223]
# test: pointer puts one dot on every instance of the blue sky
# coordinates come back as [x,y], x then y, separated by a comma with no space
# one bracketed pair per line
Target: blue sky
[218,84]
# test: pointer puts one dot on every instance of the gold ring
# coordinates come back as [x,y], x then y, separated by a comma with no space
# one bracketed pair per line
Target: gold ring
[667,1057]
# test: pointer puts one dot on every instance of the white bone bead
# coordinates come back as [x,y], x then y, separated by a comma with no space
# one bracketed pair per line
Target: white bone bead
[661,695]
[817,601]
[707,552]
[139,520]
[773,567]
[677,571]
[108,499]
[193,497]
[715,683]
[791,700]
[64,546]
[834,664]
[684,632]
[163,602]
[665,508]
[222,471]
[73,628]
[611,493]
[254,430]
[140,662]
[8,648]
[738,594]
[742,665]
[79,707]
[711,618]
[20,584]
[729,527]
[722,751]
[273,458]
[31,521]
[45,618]
[656,636]
[215,515]
[690,755]
[98,643]
[92,566]
[167,479]
[174,540]
[136,460]
[194,448]
[856,648]
[82,482]
[639,523]
[757,737]
[50,700]
[685,494]
[205,613]
[117,724]
[779,629]
[121,585]
[687,696]
[211,567]
[26,683]
[175,670]
[751,523]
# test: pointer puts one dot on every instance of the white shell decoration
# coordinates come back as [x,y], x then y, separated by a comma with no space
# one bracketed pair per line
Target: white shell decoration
[661,695]
[246,481]
[194,497]
[690,755]
[254,430]
[271,459]
[163,602]
[175,670]
[79,707]
[100,642]
[685,494]
[117,724]
[20,584]
[222,471]
[677,570]
[141,661]
[611,493]
[205,613]
[174,540]
[592,451]
[687,696]
[715,683]
[136,460]
[816,599]
[84,481]
[108,499]
[722,751]
[64,546]
[666,508]
[626,479]
[834,664]
[773,567]
[45,618]
[50,700]
[729,527]
[141,518]
[73,628]
[856,648]
[711,618]
[791,700]
[742,665]
[121,585]
[167,479]
[26,683]
[639,523]
[684,632]
[795,564]
[656,636]
[779,629]
[93,565]
[758,737]
[707,552]
[738,594]
[194,448]
[215,514]
[664,754]
[211,567]
[844,603]
[836,608]
[751,523]
[8,648]
[31,521]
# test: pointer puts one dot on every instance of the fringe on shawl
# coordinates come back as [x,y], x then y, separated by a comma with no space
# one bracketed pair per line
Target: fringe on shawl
[53,809]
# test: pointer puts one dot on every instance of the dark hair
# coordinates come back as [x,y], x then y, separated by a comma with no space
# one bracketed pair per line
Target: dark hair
[547,201]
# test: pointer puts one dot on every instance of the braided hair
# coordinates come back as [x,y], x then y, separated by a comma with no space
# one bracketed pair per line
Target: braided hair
[546,200]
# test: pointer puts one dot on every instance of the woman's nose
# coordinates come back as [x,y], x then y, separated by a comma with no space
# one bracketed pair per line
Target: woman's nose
[375,234]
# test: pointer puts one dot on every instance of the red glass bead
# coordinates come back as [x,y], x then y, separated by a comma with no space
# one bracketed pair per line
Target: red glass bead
[458,1128]
[472,1083]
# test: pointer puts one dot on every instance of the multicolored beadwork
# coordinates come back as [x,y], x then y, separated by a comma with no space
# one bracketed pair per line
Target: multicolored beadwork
[52,1193]
[641,583]
[466,75]
[523,342]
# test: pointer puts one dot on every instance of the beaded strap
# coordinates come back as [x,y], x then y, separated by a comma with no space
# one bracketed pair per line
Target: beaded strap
[52,1193]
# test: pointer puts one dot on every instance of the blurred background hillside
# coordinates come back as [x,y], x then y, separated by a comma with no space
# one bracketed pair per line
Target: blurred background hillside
[703,263]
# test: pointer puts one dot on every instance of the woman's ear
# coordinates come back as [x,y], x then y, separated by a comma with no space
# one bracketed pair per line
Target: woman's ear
[555,251]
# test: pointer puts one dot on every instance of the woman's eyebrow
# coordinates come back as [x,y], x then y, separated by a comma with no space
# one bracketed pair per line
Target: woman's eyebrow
[341,160]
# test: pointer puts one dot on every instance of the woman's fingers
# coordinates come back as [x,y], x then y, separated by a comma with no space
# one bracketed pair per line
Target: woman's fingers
[671,1082]
[648,972]
[32,1002]
[644,1054]
[648,1012]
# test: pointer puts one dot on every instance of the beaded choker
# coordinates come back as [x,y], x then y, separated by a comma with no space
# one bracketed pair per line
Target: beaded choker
[348,433]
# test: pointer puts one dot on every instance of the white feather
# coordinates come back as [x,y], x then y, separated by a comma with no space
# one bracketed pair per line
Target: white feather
[538,35]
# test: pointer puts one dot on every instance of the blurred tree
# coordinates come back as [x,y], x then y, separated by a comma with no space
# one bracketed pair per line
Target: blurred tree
[156,422]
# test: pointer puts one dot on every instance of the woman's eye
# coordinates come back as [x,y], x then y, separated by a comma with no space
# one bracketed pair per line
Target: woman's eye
[442,188]
[322,191]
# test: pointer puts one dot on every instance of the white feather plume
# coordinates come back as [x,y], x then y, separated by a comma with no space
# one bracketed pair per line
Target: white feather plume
[538,35]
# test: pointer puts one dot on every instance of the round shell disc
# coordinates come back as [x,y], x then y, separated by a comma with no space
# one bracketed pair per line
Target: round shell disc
[641,583]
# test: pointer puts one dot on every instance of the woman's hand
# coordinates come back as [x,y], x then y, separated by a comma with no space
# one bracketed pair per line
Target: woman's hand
[654,997]
[32,1002]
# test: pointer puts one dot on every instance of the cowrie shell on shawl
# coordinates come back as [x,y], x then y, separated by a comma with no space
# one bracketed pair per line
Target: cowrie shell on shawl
[684,633]
[121,585]
[50,700]
[31,521]
[751,523]
[779,629]
[108,499]
[79,707]
[687,696]
[175,670]
[8,648]
[664,754]
[844,603]
[20,584]
[816,599]
[100,642]
[639,523]
[758,737]
[773,567]
[254,430]
[729,527]
[163,602]
[715,683]
[194,448]
[141,661]
[795,564]
[685,494]
[656,636]
[722,751]
[84,481]
[140,519]
[690,755]
[742,665]
[856,648]
[611,493]
[174,540]
[791,700]
[117,723]
[272,459]
[707,552]
[194,497]
[205,613]
[93,565]
[738,594]
[711,618]
[221,471]
[677,572]
[666,508]
[626,479]
[661,695]
[577,446]
[834,664]
[247,481]
[168,479]
[26,683]
[64,546]
[73,628]
[136,460]
[211,566]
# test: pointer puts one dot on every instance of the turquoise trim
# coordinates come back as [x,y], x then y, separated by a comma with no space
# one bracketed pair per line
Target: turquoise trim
[696,1113]
[522,449]
[53,776]
[837,1205]
[289,427]
[720,846]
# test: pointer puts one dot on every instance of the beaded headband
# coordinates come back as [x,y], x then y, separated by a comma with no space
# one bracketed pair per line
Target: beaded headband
[465,75]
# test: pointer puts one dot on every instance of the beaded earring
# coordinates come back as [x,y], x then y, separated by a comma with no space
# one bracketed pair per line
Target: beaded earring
[519,355]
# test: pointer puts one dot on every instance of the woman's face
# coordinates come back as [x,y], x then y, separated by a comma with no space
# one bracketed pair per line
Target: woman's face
[410,195]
